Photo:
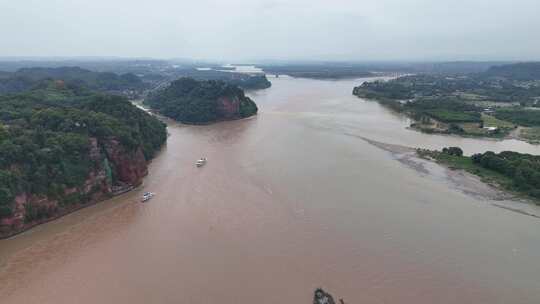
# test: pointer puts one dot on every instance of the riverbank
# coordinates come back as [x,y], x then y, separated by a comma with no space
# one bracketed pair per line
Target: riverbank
[461,172]
[487,185]
[62,148]
[60,214]
[97,198]
[465,130]
[469,106]
[461,179]
[530,135]
[191,101]
[512,171]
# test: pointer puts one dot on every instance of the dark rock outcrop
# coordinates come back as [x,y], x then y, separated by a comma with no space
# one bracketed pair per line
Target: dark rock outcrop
[322,297]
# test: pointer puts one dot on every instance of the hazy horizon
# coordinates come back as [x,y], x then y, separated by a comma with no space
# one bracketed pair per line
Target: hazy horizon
[274,30]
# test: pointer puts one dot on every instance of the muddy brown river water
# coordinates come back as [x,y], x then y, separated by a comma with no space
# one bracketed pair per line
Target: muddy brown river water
[290,200]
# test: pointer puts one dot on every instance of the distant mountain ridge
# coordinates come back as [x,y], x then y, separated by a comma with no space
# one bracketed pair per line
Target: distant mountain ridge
[524,71]
[28,78]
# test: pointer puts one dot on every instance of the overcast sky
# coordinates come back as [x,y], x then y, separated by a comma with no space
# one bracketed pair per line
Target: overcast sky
[273,29]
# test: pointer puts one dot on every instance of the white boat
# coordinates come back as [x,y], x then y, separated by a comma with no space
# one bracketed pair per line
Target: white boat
[147,196]
[201,162]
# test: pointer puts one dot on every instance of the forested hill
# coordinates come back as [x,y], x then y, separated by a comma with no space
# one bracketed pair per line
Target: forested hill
[526,71]
[196,102]
[244,81]
[29,78]
[60,148]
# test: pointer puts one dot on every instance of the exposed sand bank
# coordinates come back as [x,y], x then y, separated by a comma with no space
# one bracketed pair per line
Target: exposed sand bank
[461,180]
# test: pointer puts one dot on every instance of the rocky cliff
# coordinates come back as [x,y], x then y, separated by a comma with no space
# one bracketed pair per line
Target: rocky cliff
[62,148]
[115,171]
[130,167]
[228,107]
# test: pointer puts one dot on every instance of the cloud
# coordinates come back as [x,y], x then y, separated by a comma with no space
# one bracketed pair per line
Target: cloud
[273,29]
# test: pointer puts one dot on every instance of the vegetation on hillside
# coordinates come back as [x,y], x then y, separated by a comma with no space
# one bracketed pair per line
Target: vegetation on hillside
[472,88]
[520,116]
[45,139]
[524,71]
[242,80]
[190,101]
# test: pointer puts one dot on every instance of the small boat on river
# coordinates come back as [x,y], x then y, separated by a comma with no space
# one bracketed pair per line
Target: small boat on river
[147,196]
[201,162]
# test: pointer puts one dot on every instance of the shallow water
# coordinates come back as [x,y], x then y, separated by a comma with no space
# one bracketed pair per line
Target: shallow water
[290,200]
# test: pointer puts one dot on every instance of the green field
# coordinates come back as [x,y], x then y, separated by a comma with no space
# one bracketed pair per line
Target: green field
[475,131]
[452,116]
[490,121]
[521,116]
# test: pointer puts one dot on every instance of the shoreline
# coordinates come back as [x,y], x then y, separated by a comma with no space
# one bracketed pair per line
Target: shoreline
[211,122]
[80,206]
[512,135]
[167,119]
[11,230]
[67,211]
[461,180]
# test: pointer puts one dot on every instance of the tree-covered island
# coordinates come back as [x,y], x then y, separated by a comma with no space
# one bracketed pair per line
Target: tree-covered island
[200,102]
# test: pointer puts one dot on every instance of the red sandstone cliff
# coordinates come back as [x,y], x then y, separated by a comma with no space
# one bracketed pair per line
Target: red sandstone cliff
[129,167]
[229,107]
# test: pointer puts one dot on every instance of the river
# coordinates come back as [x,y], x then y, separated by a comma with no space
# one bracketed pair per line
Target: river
[290,200]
